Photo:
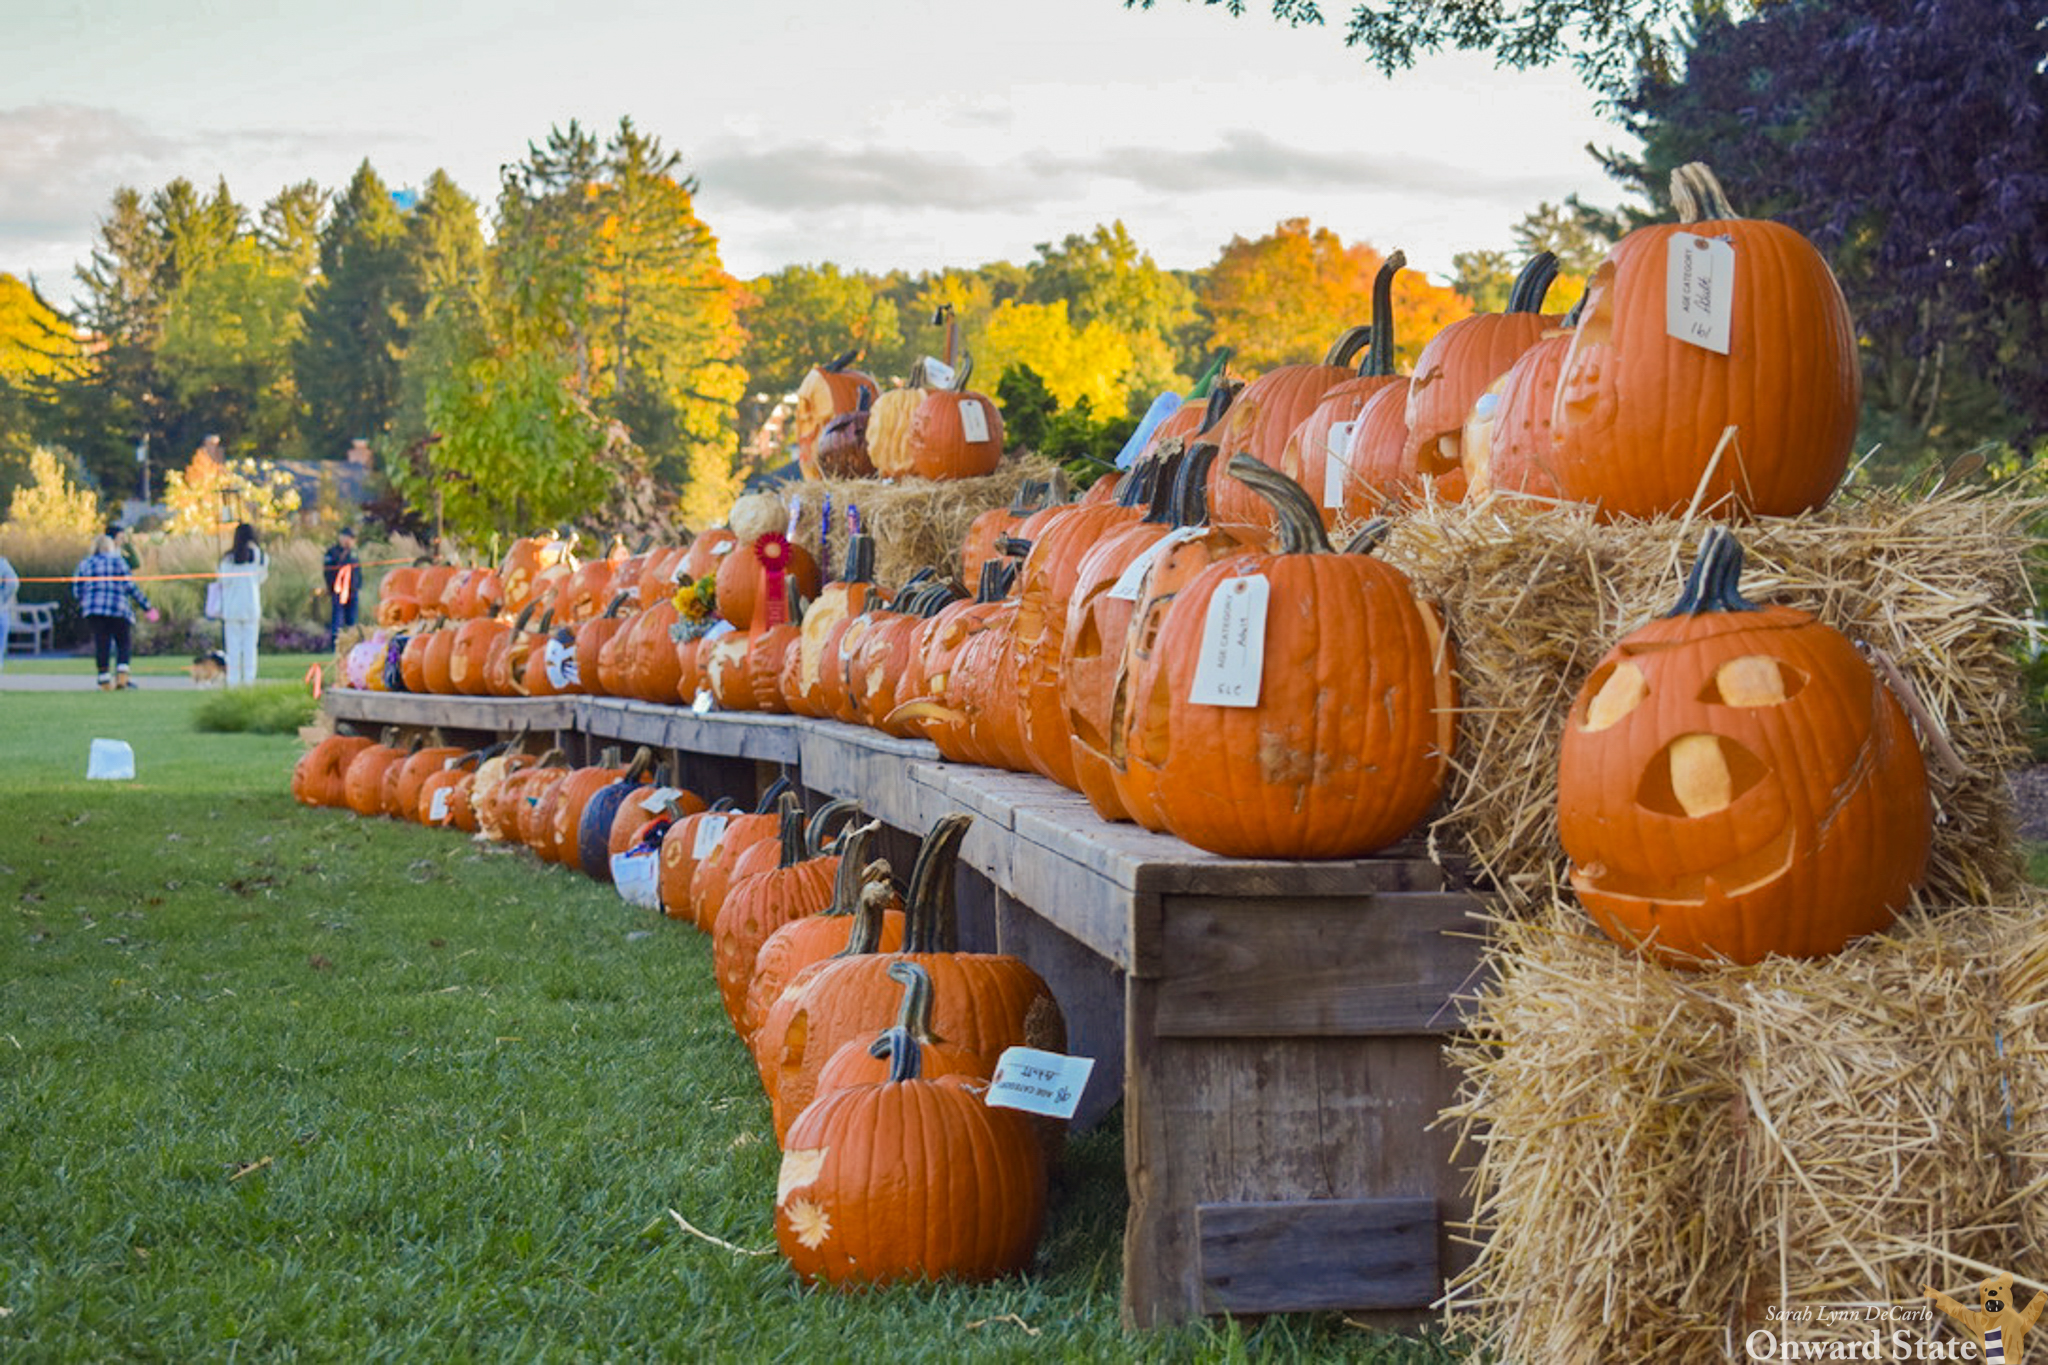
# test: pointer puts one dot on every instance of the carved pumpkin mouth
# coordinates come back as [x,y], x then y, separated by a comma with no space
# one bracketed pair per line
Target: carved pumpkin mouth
[1738,877]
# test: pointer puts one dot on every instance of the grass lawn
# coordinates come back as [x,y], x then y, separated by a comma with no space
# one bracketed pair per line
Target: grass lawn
[282,1084]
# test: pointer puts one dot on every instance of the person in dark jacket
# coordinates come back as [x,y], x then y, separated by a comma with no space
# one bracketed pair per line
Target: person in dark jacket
[107,597]
[344,583]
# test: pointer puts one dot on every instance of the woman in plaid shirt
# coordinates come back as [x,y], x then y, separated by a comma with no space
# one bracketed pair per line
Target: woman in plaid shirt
[107,598]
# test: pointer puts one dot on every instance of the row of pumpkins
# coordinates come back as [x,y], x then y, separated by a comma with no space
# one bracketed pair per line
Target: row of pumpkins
[874,1037]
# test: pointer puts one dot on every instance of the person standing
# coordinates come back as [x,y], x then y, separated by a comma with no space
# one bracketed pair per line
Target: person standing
[10,591]
[241,603]
[124,545]
[343,574]
[107,597]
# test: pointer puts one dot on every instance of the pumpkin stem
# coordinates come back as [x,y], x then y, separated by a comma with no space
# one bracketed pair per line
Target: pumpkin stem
[915,1017]
[1697,194]
[1220,398]
[1191,498]
[1379,361]
[960,375]
[1533,283]
[869,916]
[840,361]
[1211,373]
[853,865]
[772,795]
[1370,537]
[932,905]
[642,762]
[722,805]
[1347,345]
[794,847]
[997,577]
[1301,524]
[903,1053]
[837,809]
[860,559]
[1716,578]
[1165,486]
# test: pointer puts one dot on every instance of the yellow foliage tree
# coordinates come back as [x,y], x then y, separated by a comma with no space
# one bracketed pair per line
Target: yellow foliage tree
[1090,362]
[50,502]
[212,493]
[1283,298]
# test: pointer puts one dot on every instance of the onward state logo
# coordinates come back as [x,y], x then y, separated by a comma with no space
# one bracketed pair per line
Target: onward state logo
[1997,1330]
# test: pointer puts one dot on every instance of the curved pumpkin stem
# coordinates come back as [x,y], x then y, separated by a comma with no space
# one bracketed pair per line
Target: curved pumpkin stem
[1301,524]
[840,361]
[959,384]
[794,846]
[1348,345]
[853,868]
[1191,495]
[1716,578]
[869,914]
[773,795]
[1533,283]
[932,905]
[643,761]
[860,557]
[839,809]
[1697,194]
[1165,486]
[915,1017]
[1220,398]
[721,806]
[1379,360]
[1370,537]
[903,1053]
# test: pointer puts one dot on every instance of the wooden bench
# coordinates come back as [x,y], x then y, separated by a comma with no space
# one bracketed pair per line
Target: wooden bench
[34,623]
[1273,1030]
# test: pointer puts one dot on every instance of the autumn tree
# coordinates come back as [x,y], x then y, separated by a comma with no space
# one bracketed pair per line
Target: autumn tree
[1103,277]
[56,497]
[1282,298]
[39,353]
[804,315]
[1576,234]
[1092,362]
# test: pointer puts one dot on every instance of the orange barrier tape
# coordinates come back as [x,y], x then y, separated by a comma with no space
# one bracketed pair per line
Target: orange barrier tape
[169,577]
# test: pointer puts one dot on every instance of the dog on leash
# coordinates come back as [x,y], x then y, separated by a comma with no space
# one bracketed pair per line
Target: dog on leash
[209,668]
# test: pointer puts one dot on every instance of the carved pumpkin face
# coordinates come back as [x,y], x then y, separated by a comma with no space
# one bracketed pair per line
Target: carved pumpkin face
[1735,781]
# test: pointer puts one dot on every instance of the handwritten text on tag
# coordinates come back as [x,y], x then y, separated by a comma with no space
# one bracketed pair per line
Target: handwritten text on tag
[1699,284]
[1233,659]
[973,419]
[709,831]
[1039,1082]
[1336,462]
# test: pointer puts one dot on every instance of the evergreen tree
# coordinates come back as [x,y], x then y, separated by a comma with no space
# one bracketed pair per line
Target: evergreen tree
[347,360]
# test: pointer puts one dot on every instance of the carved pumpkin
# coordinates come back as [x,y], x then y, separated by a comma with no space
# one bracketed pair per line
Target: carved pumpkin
[1735,781]
[1507,436]
[798,884]
[1259,423]
[1337,743]
[829,391]
[317,778]
[1641,416]
[841,450]
[1318,451]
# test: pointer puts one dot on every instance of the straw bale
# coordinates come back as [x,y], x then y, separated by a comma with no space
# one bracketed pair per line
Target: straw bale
[1536,593]
[1663,1157]
[915,522]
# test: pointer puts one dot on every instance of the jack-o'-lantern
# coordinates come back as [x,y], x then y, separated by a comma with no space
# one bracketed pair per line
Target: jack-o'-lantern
[1735,781]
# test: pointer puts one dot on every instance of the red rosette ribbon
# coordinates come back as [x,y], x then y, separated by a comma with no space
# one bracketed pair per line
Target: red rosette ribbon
[772,551]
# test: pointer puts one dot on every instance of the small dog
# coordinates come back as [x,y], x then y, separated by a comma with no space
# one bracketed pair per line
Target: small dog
[209,669]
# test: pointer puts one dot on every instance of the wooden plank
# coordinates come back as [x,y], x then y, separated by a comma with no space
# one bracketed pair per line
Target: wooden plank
[734,734]
[500,715]
[1361,965]
[840,760]
[1091,995]
[1317,1255]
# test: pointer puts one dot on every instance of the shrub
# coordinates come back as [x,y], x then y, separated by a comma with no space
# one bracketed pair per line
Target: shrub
[266,709]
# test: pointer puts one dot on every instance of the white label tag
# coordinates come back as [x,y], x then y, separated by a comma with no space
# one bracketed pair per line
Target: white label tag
[561,662]
[724,547]
[437,809]
[709,831]
[654,802]
[973,419]
[937,373]
[638,878]
[1039,1082]
[1336,462]
[1132,579]
[701,705]
[1233,658]
[1699,283]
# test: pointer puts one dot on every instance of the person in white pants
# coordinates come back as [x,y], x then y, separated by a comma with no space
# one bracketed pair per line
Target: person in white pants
[241,603]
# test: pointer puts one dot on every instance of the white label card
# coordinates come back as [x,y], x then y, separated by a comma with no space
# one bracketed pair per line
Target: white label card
[702,704]
[1039,1082]
[973,419]
[637,877]
[1233,658]
[1699,284]
[937,373]
[437,809]
[1336,462]
[561,661]
[655,801]
[709,831]
[1132,580]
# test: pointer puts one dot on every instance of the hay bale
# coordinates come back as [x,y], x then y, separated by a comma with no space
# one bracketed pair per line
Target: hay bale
[1700,1148]
[915,522]
[1537,593]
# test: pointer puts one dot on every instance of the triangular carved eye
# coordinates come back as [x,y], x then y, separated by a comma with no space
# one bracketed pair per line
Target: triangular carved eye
[1617,690]
[1753,680]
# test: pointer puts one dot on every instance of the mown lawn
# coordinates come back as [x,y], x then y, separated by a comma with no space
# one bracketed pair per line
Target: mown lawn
[280,1084]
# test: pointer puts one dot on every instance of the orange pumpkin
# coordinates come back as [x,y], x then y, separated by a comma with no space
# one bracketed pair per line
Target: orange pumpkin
[954,433]
[797,885]
[1259,423]
[1734,781]
[1318,451]
[1507,436]
[831,390]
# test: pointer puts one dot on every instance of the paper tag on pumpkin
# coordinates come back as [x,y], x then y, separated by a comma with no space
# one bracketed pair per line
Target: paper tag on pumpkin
[437,809]
[1699,285]
[1233,659]
[1038,1082]
[1336,462]
[657,800]
[723,548]
[561,662]
[973,419]
[637,877]
[1131,581]
[709,831]
[937,373]
[702,705]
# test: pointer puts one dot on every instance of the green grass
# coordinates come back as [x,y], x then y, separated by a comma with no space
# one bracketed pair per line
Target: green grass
[265,709]
[281,1084]
[269,667]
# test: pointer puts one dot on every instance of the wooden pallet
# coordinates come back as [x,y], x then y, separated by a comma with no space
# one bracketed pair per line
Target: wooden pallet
[1273,1029]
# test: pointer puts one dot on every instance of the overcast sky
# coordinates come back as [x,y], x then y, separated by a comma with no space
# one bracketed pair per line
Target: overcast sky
[887,133]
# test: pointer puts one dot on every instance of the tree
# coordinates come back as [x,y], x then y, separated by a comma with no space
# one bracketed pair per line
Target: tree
[1103,276]
[441,299]
[56,498]
[804,315]
[1076,364]
[1909,140]
[348,358]
[210,494]
[1607,41]
[1283,298]
[1577,235]
[227,344]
